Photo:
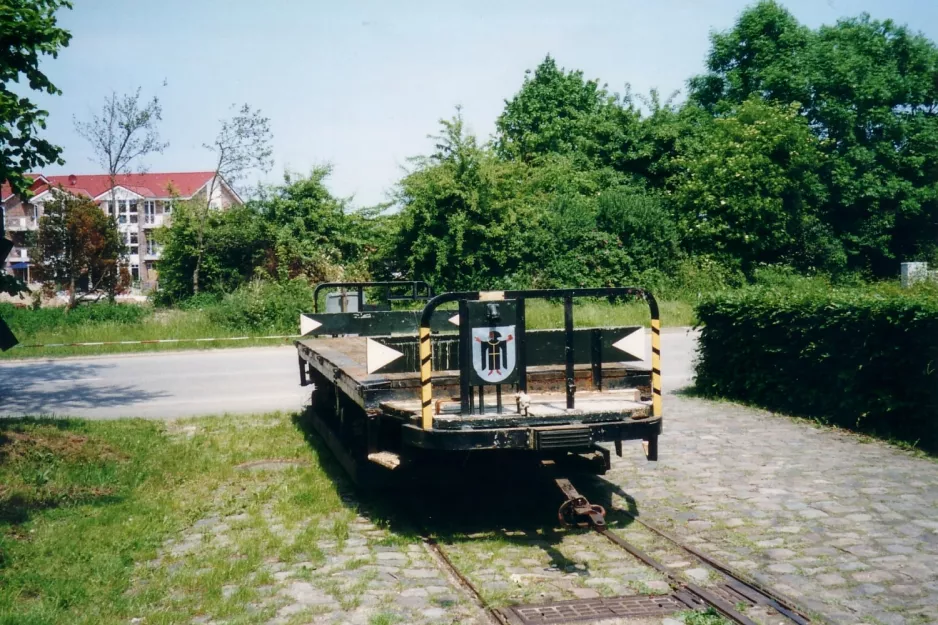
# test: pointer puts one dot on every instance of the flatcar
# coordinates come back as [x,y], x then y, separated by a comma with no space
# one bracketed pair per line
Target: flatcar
[463,376]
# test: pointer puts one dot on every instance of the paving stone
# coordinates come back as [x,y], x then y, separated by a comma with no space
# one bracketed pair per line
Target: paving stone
[873,576]
[869,589]
[780,554]
[840,507]
[411,602]
[907,590]
[658,586]
[698,575]
[304,593]
[434,613]
[584,593]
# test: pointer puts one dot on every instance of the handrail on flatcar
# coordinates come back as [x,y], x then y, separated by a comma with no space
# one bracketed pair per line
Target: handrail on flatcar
[427,290]
[426,386]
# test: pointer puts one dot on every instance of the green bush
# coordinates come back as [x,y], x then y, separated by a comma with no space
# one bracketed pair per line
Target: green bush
[27,321]
[264,307]
[646,232]
[865,359]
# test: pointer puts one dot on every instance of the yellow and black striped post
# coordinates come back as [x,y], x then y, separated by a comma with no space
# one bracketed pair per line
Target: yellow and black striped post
[655,365]
[426,386]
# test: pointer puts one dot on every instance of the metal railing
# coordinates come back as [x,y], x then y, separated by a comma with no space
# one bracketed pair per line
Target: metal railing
[419,290]
[567,295]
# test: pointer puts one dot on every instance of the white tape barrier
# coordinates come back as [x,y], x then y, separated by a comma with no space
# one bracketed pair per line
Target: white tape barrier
[155,341]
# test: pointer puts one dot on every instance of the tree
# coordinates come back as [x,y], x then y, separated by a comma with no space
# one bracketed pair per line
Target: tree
[28,31]
[243,144]
[869,90]
[876,102]
[236,246]
[560,112]
[751,192]
[125,132]
[78,245]
[646,232]
[455,229]
[312,233]
[296,229]
[767,53]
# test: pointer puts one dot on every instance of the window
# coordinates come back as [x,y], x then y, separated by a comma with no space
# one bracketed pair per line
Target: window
[122,207]
[135,272]
[153,247]
[168,207]
[132,206]
[132,242]
[149,212]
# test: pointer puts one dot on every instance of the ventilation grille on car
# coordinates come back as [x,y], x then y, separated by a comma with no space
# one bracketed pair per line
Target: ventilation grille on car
[562,438]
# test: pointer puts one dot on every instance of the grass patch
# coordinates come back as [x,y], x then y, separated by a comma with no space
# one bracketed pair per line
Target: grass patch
[92,515]
[703,617]
[127,322]
[544,314]
[34,327]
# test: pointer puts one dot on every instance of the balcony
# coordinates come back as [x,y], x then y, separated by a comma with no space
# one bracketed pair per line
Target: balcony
[152,221]
[20,224]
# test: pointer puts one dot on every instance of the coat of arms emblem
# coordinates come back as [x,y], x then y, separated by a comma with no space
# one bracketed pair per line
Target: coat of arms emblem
[493,353]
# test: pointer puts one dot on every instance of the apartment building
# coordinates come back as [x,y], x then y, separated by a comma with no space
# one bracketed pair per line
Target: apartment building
[139,203]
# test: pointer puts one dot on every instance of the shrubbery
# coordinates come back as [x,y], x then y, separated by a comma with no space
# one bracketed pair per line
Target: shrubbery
[264,307]
[865,359]
[27,321]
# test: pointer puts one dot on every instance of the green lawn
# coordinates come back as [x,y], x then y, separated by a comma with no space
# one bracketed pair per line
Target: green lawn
[196,324]
[192,521]
[86,505]
[159,324]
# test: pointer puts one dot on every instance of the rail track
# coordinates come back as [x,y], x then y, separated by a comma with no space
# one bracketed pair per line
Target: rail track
[736,598]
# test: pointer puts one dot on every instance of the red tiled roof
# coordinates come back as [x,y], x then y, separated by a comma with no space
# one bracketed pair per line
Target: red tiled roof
[183,184]
[6,191]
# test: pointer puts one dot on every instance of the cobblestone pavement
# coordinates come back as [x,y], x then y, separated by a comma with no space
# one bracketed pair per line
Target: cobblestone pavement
[365,577]
[845,526]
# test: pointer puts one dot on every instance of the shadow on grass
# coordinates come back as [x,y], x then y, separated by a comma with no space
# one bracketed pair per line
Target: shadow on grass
[42,469]
[490,497]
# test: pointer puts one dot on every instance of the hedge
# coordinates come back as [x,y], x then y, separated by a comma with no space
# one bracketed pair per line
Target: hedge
[858,358]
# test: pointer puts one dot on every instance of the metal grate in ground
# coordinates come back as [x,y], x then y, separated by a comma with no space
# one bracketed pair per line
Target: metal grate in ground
[593,609]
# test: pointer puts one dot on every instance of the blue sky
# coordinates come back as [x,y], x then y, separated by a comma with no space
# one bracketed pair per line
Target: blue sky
[360,84]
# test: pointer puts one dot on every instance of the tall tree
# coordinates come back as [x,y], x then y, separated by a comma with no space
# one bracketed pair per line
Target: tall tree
[876,102]
[455,232]
[243,144]
[78,245]
[28,31]
[751,192]
[126,131]
[560,112]
[869,90]
[766,53]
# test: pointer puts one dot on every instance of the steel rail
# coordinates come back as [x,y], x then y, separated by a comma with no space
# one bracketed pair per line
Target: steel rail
[782,604]
[705,595]
[753,591]
[435,547]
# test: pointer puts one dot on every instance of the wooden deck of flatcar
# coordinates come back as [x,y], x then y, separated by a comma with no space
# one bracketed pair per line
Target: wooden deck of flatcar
[626,388]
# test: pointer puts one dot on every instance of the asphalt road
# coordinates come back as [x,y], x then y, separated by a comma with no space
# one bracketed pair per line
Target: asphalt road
[166,385]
